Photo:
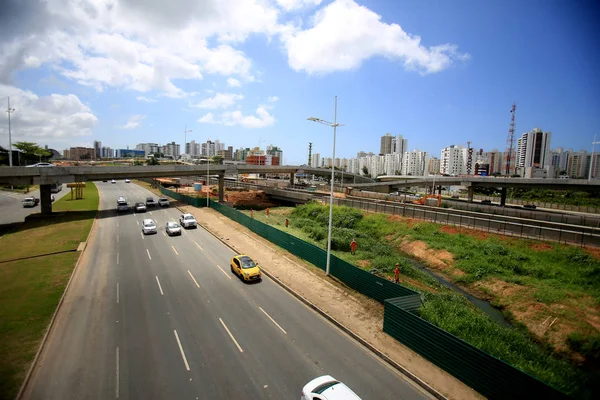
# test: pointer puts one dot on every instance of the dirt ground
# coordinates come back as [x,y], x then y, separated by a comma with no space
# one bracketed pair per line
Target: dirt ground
[361,315]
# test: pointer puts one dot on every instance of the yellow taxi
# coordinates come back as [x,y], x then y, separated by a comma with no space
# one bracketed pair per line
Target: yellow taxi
[245,268]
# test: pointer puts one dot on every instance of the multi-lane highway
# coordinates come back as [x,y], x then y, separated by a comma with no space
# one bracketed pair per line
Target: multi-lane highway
[12,208]
[158,317]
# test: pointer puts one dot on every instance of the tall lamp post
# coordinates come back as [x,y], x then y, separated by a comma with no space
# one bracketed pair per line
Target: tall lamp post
[333,124]
[9,111]
[207,172]
[185,132]
[594,143]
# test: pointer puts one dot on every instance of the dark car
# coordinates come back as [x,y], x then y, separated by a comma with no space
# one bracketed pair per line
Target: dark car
[529,206]
[486,202]
[150,202]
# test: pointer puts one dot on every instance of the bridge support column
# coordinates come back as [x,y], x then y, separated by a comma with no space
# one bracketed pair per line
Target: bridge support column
[45,199]
[503,196]
[292,179]
[470,194]
[221,187]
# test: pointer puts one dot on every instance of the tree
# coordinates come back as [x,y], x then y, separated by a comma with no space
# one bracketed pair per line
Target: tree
[40,152]
[152,161]
[27,147]
[365,170]
[217,160]
[137,161]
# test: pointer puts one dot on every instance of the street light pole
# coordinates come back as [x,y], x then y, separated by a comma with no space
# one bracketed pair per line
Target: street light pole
[334,125]
[185,131]
[594,143]
[9,111]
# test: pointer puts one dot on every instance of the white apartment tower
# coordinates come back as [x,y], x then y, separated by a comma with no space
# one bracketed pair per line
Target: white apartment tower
[415,163]
[452,161]
[533,149]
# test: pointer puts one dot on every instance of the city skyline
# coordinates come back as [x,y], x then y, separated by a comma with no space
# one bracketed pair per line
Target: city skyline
[437,74]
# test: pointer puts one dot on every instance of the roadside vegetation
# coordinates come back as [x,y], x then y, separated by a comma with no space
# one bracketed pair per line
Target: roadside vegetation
[36,262]
[563,197]
[551,292]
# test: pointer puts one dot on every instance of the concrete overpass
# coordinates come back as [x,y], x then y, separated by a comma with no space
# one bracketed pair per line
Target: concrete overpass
[471,182]
[46,176]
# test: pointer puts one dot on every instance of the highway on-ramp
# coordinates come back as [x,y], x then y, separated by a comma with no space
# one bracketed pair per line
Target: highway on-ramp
[12,208]
[159,317]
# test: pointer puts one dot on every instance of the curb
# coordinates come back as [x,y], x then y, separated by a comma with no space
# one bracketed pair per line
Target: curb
[338,324]
[60,302]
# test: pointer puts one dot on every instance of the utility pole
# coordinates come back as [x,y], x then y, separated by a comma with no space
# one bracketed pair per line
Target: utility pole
[185,132]
[9,111]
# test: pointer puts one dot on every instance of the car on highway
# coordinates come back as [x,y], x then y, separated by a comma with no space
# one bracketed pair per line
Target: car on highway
[486,202]
[173,229]
[149,226]
[188,221]
[163,202]
[529,206]
[327,388]
[127,180]
[122,204]
[140,207]
[150,202]
[30,202]
[41,165]
[113,181]
[245,267]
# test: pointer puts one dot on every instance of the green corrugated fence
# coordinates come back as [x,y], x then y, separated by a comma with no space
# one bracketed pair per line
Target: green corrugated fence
[488,375]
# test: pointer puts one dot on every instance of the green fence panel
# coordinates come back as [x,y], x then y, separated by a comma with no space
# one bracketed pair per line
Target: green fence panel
[486,374]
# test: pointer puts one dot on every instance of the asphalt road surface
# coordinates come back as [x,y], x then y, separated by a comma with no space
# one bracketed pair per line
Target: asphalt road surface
[13,210]
[158,317]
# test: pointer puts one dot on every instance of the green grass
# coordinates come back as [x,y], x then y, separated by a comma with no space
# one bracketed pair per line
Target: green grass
[31,288]
[552,274]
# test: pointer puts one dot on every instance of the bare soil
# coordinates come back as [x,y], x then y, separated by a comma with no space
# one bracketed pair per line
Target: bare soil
[360,314]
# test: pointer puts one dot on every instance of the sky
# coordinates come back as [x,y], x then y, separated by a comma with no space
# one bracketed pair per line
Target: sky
[250,72]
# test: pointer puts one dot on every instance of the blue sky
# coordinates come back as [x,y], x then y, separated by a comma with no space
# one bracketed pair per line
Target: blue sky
[250,72]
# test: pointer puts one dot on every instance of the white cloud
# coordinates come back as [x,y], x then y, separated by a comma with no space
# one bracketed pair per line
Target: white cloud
[134,122]
[344,34]
[208,118]
[237,118]
[45,118]
[220,100]
[290,5]
[146,99]
[273,99]
[232,82]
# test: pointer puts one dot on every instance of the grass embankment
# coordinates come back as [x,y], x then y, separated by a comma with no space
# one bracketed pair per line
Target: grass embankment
[43,254]
[551,291]
[20,188]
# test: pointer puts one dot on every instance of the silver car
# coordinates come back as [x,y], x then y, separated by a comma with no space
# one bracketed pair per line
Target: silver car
[173,229]
[149,226]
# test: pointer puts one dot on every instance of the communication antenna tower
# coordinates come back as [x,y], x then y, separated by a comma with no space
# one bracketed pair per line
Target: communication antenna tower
[511,139]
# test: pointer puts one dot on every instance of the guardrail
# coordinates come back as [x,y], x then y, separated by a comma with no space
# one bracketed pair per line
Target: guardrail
[488,375]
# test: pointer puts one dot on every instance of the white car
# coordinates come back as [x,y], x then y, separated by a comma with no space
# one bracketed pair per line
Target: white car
[163,202]
[173,229]
[113,181]
[40,165]
[127,180]
[149,226]
[188,221]
[327,388]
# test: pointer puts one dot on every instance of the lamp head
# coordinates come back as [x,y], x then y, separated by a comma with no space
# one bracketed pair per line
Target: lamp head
[313,119]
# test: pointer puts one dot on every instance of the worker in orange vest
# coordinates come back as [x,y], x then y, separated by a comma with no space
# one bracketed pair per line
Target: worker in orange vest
[267,211]
[252,213]
[397,273]
[287,222]
[353,246]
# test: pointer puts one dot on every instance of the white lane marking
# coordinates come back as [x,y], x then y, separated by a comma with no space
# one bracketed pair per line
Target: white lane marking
[137,222]
[173,247]
[200,247]
[117,292]
[192,276]
[187,366]
[159,287]
[117,224]
[148,254]
[150,212]
[231,336]
[164,234]
[165,211]
[117,258]
[117,381]
[223,271]
[142,233]
[272,320]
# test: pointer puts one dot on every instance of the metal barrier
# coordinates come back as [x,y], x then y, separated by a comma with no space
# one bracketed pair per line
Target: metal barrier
[488,375]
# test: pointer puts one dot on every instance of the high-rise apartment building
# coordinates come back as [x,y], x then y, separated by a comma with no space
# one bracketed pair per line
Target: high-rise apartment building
[594,164]
[452,161]
[386,144]
[316,160]
[226,154]
[275,152]
[415,163]
[533,150]
[434,166]
[149,148]
[107,152]
[171,150]
[577,164]
[97,149]
[399,145]
[392,164]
